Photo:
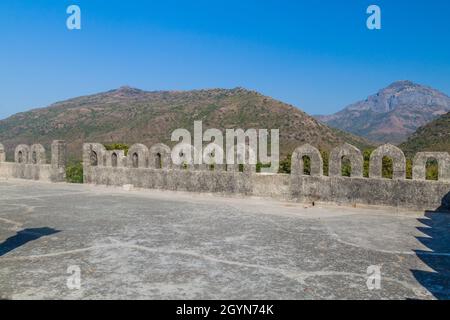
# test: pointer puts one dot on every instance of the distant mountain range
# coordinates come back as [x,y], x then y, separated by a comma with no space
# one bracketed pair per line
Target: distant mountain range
[392,114]
[434,136]
[129,115]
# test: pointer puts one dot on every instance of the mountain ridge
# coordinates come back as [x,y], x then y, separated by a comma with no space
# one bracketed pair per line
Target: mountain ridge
[434,136]
[392,114]
[129,115]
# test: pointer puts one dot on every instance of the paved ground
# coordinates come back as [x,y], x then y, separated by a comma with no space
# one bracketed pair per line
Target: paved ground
[163,245]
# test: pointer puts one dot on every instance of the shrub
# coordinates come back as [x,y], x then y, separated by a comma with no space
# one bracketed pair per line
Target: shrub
[74,172]
[117,146]
[285,165]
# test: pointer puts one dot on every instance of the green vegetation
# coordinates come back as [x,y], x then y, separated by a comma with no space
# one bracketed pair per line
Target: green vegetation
[285,165]
[432,170]
[387,169]
[434,136]
[74,172]
[150,117]
[117,146]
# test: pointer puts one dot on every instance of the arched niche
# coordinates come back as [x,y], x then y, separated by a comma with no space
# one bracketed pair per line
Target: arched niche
[2,153]
[94,154]
[37,154]
[420,162]
[392,152]
[350,152]
[160,157]
[137,156]
[297,164]
[22,154]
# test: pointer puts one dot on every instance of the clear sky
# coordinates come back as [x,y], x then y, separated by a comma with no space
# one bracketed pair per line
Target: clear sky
[317,55]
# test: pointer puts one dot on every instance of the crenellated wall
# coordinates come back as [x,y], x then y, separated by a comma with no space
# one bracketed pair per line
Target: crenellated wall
[153,168]
[30,162]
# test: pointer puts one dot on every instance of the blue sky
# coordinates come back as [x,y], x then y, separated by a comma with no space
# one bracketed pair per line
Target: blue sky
[316,55]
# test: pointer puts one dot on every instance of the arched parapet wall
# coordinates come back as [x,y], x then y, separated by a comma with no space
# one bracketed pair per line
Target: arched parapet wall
[137,156]
[22,154]
[350,152]
[37,154]
[94,154]
[398,161]
[2,153]
[420,162]
[297,165]
[160,157]
[115,158]
[214,158]
[182,156]
[58,160]
[248,161]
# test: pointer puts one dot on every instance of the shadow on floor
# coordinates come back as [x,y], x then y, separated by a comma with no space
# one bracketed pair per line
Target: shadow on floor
[437,238]
[24,236]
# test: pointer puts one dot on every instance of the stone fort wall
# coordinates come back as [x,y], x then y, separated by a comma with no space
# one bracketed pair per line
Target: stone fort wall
[152,168]
[30,163]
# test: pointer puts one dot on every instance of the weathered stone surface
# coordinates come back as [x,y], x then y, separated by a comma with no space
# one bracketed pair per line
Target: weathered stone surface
[94,154]
[416,194]
[349,152]
[37,154]
[2,153]
[398,161]
[165,245]
[27,166]
[241,161]
[160,157]
[58,161]
[313,153]
[22,154]
[115,158]
[137,156]
[186,155]
[420,161]
[216,154]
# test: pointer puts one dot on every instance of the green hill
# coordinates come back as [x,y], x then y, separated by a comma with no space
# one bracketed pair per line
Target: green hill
[434,136]
[128,115]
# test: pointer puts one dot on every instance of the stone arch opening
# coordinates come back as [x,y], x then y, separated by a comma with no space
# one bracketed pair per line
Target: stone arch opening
[20,157]
[184,164]
[135,160]
[315,164]
[432,169]
[387,169]
[114,159]
[306,165]
[381,167]
[158,161]
[346,166]
[34,157]
[138,156]
[93,158]
[431,166]
[211,166]
[346,161]
[160,156]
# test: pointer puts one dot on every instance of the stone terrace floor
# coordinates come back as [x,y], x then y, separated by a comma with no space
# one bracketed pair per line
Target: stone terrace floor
[148,244]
